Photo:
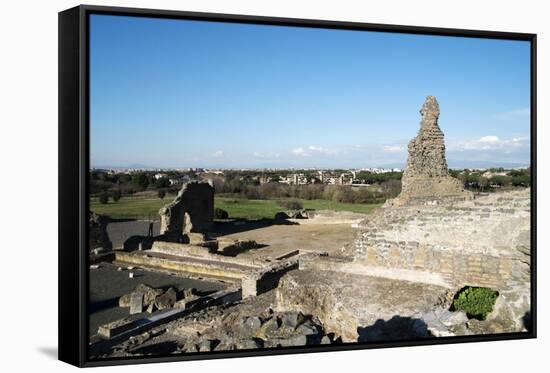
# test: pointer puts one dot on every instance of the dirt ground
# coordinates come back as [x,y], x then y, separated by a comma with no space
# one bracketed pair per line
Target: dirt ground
[325,233]
[120,231]
[280,239]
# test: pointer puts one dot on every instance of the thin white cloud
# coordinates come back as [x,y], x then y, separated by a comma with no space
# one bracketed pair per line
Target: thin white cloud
[217,154]
[393,149]
[301,152]
[516,113]
[319,149]
[311,150]
[490,142]
[489,139]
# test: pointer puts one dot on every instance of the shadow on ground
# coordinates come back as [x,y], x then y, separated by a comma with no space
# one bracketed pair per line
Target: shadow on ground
[50,352]
[396,328]
[129,233]
[527,321]
[98,305]
[223,228]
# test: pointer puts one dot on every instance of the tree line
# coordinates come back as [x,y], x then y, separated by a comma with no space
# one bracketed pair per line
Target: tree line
[246,184]
[475,180]
[336,193]
[107,186]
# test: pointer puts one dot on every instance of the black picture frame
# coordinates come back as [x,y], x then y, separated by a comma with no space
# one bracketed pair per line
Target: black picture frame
[74,165]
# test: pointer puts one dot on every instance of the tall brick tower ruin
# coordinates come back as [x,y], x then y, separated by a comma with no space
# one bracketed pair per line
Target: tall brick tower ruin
[426,179]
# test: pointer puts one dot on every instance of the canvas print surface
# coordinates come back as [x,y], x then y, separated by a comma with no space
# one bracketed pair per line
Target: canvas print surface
[263,187]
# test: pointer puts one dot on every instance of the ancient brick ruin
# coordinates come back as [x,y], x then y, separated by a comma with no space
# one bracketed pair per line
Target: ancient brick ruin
[485,242]
[412,256]
[395,280]
[192,211]
[98,237]
[411,260]
[426,179]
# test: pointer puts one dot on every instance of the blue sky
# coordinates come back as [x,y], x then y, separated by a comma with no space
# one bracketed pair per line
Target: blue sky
[173,93]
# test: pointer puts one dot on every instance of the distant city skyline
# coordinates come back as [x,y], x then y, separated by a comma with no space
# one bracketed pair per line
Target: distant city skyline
[176,94]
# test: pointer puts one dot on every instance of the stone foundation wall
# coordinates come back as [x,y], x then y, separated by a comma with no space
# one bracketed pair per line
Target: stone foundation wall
[456,267]
[192,267]
[485,242]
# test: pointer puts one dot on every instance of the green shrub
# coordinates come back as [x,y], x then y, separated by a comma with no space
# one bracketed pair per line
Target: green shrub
[220,213]
[161,193]
[104,198]
[140,180]
[116,195]
[476,302]
[162,182]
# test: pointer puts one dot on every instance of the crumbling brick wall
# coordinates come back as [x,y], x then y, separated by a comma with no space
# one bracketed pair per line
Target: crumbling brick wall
[191,211]
[426,178]
[485,242]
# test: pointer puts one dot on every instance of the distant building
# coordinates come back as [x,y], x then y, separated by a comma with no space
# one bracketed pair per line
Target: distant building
[376,170]
[345,179]
[264,179]
[293,179]
[489,174]
[179,180]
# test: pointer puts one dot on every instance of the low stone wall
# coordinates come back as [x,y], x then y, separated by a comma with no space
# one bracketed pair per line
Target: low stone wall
[485,242]
[455,266]
[180,249]
[187,265]
[199,251]
[265,279]
[254,279]
[204,247]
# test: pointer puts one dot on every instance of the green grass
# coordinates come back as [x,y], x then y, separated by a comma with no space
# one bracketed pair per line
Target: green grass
[130,208]
[248,208]
[143,208]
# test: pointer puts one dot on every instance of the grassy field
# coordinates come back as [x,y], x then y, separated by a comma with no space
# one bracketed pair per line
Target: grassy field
[130,208]
[145,208]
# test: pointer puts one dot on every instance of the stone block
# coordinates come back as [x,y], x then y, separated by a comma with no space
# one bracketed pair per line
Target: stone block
[166,300]
[194,238]
[249,286]
[250,326]
[136,303]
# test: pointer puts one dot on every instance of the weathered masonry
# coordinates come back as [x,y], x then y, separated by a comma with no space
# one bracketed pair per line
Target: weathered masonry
[426,179]
[485,242]
[191,211]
